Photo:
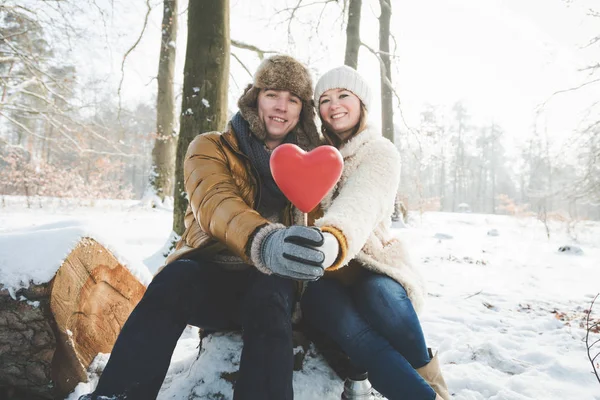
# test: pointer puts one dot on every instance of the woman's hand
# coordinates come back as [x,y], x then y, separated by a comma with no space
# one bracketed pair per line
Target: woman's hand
[330,249]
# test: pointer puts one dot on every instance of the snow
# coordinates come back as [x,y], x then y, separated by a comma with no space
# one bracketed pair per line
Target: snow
[34,242]
[492,311]
[504,312]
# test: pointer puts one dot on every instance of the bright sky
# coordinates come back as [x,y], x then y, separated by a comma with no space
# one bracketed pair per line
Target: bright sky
[502,58]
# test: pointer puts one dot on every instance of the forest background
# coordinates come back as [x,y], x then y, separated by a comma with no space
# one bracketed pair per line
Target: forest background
[494,105]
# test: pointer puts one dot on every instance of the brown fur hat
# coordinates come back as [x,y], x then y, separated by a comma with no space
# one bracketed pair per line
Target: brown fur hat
[282,72]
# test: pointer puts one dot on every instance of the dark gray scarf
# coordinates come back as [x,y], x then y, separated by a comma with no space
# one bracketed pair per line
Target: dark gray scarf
[271,199]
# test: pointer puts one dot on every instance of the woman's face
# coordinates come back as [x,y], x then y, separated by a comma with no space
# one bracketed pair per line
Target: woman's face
[340,111]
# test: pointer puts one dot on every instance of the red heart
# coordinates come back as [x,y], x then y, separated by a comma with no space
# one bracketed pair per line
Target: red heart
[305,178]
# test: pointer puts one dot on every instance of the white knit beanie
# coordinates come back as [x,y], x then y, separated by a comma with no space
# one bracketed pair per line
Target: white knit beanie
[344,77]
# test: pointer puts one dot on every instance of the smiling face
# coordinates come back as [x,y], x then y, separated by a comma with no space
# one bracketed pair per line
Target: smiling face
[280,112]
[340,111]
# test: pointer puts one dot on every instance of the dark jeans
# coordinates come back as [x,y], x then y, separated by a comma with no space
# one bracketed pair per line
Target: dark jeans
[375,324]
[207,296]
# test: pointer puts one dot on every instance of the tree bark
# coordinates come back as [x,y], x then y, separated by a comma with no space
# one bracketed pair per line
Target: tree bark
[550,191]
[387,107]
[27,344]
[493,176]
[353,34]
[442,186]
[51,333]
[163,153]
[206,75]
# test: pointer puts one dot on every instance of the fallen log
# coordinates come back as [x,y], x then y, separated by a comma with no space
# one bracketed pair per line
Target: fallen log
[50,333]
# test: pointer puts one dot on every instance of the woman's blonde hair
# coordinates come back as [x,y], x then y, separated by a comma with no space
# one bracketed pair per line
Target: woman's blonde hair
[334,140]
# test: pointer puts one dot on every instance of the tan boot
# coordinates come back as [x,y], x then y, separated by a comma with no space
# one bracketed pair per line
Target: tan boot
[433,376]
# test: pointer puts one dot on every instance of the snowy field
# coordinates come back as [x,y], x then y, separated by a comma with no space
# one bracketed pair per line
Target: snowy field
[505,306]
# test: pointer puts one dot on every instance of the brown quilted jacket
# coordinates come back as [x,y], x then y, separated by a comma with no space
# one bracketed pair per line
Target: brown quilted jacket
[221,185]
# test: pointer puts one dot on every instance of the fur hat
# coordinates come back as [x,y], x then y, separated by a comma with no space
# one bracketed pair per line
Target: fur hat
[281,72]
[344,77]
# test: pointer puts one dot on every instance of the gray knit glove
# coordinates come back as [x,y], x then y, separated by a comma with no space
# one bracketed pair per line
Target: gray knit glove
[291,253]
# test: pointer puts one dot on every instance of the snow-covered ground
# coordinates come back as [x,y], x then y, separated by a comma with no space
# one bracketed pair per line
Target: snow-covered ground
[505,306]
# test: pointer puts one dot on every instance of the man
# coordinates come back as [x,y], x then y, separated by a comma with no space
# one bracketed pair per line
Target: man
[237,265]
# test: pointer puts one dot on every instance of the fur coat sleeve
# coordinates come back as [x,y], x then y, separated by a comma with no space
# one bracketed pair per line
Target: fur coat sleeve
[364,197]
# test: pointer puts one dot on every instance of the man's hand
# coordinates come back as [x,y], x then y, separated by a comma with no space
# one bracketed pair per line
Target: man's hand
[294,253]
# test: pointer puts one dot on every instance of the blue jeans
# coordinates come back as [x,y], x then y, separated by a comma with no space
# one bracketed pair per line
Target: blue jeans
[207,296]
[375,324]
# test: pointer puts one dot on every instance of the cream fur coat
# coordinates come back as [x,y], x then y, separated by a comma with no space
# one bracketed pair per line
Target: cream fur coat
[361,205]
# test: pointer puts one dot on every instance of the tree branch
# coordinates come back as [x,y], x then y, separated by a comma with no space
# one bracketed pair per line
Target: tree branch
[241,63]
[299,5]
[591,67]
[20,125]
[129,51]
[587,338]
[260,52]
[541,106]
[389,84]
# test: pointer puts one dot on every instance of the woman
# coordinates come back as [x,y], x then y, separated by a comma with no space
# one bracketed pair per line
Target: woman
[368,299]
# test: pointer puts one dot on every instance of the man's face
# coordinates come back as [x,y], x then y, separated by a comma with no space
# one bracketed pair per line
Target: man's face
[280,111]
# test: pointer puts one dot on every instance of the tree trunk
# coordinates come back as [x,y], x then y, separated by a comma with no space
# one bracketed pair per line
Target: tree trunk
[163,154]
[459,154]
[456,167]
[51,333]
[206,78]
[353,34]
[549,193]
[493,173]
[442,186]
[387,107]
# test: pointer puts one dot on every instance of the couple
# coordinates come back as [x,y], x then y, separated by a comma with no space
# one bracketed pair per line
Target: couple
[244,255]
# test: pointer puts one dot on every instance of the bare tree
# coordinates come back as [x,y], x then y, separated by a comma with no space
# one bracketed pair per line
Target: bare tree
[495,159]
[353,33]
[434,131]
[594,327]
[292,13]
[55,122]
[585,188]
[206,74]
[387,106]
[459,155]
[163,153]
[38,101]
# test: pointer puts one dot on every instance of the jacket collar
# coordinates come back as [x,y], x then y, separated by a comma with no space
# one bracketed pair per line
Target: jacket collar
[231,139]
[368,134]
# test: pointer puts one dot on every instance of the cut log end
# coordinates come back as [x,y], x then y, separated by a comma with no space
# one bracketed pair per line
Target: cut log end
[80,313]
[92,297]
